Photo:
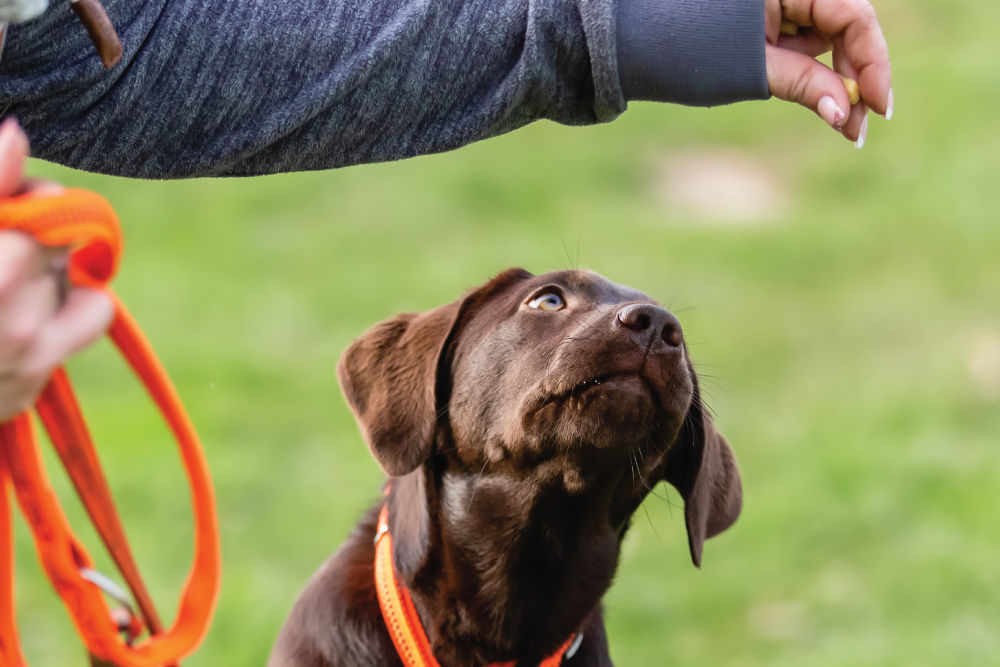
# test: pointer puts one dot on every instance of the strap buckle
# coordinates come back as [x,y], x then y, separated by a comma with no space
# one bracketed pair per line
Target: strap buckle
[123,617]
[574,646]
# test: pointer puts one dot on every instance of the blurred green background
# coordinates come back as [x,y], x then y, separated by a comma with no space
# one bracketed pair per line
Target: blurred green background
[842,305]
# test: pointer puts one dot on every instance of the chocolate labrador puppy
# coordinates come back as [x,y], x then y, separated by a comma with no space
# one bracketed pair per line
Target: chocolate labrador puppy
[521,427]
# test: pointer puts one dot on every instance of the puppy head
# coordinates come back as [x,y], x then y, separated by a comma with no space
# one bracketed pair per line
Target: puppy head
[564,376]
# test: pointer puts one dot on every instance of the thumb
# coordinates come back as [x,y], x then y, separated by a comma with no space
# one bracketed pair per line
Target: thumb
[13,152]
[795,77]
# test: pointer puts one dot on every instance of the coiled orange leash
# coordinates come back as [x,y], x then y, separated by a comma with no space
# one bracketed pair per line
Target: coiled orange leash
[87,224]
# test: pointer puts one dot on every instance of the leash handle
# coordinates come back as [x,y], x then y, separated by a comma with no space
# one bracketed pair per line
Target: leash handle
[87,223]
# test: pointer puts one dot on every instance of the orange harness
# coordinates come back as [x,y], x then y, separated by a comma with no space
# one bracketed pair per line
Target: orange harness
[86,222]
[401,618]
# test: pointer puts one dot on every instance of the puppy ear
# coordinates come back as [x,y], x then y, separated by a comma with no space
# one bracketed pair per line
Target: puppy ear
[702,467]
[397,374]
[388,376]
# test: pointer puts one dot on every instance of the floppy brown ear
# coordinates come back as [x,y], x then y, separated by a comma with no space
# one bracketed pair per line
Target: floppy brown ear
[394,376]
[702,467]
[388,376]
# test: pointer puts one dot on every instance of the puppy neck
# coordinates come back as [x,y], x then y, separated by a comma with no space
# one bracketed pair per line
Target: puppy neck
[500,566]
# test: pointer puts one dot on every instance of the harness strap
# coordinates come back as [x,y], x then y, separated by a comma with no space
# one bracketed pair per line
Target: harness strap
[401,618]
[85,222]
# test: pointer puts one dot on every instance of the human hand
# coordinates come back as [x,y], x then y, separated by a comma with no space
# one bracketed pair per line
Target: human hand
[39,329]
[851,29]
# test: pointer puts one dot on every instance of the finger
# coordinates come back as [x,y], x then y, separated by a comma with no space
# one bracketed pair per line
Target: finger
[772,20]
[856,24]
[17,394]
[42,187]
[856,128]
[796,77]
[17,252]
[22,318]
[806,42]
[798,12]
[858,123]
[21,258]
[13,152]
[83,319]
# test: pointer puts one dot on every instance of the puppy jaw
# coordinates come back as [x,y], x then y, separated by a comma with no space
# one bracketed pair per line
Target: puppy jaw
[601,390]
[612,398]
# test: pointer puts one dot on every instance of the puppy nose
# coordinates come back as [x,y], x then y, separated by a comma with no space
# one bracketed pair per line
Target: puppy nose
[646,324]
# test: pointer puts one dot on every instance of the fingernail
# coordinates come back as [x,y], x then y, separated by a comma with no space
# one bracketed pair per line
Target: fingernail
[830,112]
[889,106]
[863,134]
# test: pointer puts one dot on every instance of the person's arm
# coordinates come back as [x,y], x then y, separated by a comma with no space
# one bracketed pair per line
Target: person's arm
[261,86]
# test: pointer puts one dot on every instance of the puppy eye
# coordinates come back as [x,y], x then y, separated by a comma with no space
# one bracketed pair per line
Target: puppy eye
[547,301]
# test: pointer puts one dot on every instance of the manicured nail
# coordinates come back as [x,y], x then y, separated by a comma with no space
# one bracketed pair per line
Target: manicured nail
[830,112]
[889,106]
[863,134]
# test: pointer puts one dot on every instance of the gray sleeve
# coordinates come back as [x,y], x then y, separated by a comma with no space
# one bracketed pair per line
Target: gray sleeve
[245,87]
[698,52]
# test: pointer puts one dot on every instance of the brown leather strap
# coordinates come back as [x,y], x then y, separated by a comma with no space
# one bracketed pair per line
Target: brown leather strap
[102,32]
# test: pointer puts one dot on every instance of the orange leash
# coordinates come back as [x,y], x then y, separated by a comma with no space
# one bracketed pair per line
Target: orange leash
[86,222]
[401,618]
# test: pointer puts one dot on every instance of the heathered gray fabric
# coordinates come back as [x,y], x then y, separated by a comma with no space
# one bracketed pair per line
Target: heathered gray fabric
[241,87]
[715,50]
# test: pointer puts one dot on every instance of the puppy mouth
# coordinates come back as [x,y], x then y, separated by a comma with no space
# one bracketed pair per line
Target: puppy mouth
[606,382]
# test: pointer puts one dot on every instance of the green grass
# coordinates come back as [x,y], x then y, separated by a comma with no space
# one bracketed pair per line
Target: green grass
[836,342]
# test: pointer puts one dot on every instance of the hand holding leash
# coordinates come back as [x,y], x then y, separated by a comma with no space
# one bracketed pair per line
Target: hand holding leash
[84,223]
[41,322]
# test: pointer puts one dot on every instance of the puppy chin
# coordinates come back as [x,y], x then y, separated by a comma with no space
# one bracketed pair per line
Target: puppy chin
[614,413]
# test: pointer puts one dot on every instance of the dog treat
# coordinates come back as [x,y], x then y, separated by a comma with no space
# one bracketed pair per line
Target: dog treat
[789,28]
[853,92]
[102,32]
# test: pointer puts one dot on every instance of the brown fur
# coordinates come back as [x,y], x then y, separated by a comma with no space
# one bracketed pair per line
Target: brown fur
[519,442]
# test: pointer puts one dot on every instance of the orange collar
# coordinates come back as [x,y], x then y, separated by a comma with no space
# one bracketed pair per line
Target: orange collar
[401,618]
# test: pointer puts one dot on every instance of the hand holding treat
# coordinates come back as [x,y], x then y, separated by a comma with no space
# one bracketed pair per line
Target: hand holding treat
[800,30]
